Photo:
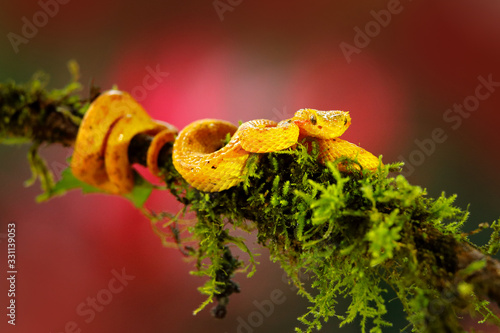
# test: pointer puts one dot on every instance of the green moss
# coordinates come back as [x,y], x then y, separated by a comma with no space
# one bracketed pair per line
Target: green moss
[355,233]
[350,232]
[30,113]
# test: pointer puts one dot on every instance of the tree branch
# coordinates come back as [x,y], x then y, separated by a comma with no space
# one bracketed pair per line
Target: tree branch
[378,225]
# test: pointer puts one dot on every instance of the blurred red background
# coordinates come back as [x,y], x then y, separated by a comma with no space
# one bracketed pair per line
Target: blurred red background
[251,60]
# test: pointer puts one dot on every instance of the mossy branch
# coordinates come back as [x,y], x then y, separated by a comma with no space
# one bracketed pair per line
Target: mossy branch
[31,113]
[352,233]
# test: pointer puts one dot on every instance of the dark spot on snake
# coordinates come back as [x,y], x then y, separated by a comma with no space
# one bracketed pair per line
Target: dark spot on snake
[214,167]
[320,127]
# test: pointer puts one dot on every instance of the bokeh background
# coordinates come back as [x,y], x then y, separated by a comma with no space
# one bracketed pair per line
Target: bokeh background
[238,60]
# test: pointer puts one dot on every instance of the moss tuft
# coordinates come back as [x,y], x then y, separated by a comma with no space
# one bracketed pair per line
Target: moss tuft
[350,232]
[353,233]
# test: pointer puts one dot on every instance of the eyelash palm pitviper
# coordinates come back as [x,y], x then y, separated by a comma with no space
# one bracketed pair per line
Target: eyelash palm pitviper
[100,157]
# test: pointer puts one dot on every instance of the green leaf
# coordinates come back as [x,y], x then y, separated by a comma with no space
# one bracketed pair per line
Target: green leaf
[68,182]
[140,193]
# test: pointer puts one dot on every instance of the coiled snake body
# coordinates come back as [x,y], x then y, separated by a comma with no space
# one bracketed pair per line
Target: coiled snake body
[200,159]
[199,155]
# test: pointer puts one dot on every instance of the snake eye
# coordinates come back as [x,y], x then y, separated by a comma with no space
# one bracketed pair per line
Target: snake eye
[313,119]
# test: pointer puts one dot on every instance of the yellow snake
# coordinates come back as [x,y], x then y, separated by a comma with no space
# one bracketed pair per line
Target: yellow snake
[100,157]
[199,157]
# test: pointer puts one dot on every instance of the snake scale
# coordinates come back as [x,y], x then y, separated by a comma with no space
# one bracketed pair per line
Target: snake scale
[100,157]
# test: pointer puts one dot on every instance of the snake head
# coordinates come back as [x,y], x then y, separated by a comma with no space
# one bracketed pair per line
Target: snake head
[322,124]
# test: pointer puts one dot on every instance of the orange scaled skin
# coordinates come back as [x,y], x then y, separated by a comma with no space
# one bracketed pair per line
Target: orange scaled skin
[201,160]
[199,153]
[100,157]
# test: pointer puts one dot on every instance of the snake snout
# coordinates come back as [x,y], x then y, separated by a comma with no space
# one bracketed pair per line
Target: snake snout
[347,119]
